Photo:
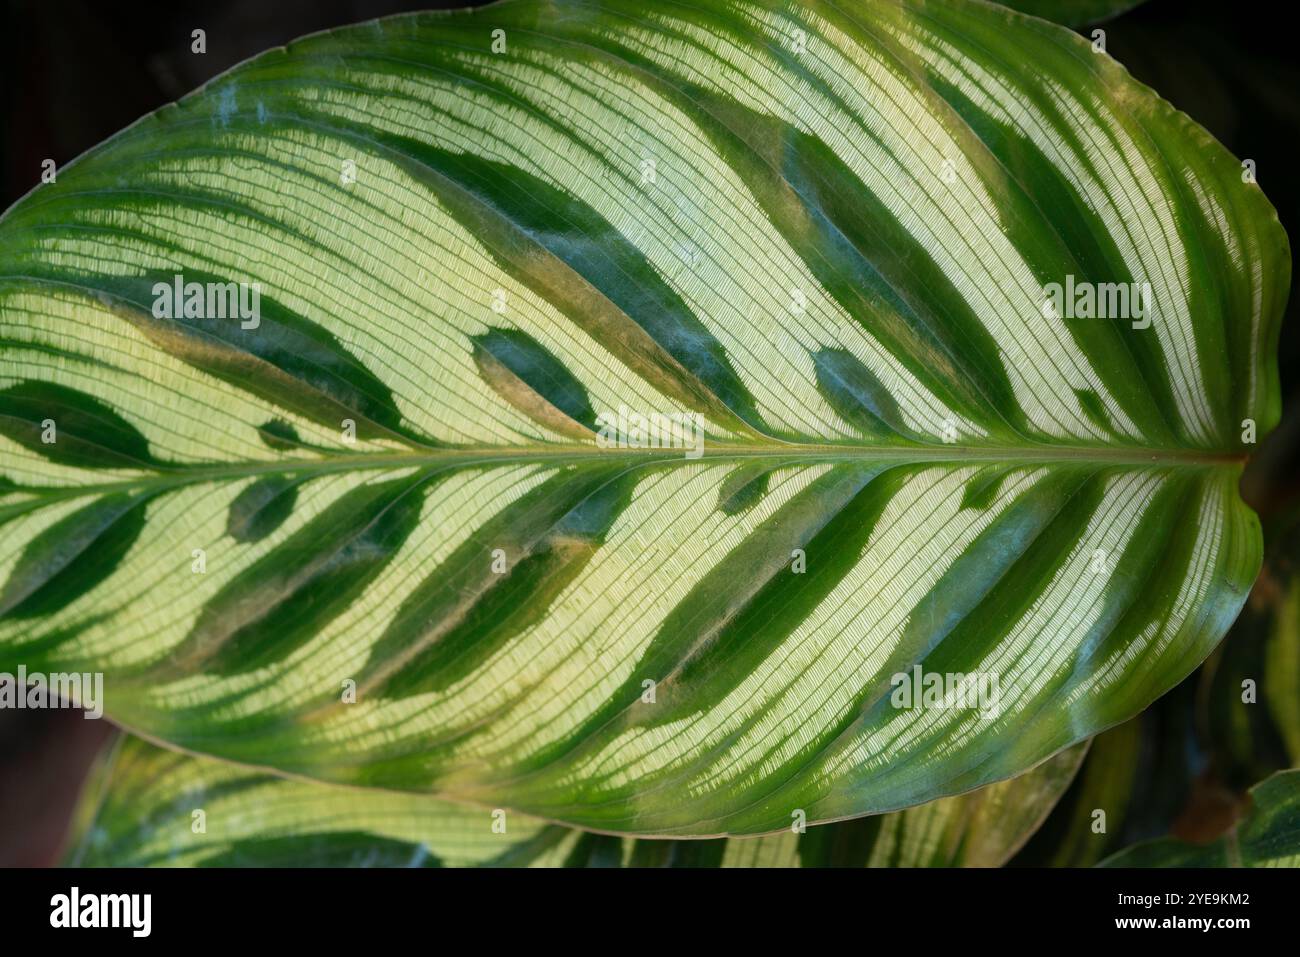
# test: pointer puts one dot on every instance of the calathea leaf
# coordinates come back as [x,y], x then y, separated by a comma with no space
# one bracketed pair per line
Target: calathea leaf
[146,806]
[1073,13]
[695,418]
[1140,778]
[1268,835]
[1184,762]
[981,828]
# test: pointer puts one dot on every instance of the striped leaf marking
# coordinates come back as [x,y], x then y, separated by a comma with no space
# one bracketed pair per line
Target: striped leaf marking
[821,235]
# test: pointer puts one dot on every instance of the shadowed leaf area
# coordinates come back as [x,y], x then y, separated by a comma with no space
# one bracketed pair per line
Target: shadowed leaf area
[138,810]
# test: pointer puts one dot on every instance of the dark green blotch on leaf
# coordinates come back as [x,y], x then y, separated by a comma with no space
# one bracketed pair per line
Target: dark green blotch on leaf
[537,368]
[279,435]
[72,556]
[86,433]
[261,508]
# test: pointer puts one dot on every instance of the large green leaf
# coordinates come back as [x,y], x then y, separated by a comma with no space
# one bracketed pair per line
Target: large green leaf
[1073,13]
[1185,763]
[827,233]
[147,807]
[981,828]
[1268,835]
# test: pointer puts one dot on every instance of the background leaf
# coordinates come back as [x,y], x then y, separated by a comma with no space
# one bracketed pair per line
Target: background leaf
[1268,836]
[139,808]
[1073,13]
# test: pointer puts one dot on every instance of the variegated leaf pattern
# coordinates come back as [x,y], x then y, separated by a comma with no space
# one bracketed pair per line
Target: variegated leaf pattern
[1268,835]
[483,245]
[149,807]
[145,806]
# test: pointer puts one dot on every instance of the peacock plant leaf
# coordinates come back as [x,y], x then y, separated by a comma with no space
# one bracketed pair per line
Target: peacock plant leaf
[677,421]
[1073,13]
[981,828]
[1268,835]
[147,807]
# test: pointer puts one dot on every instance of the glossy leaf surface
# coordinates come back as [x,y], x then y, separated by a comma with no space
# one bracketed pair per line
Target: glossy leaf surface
[395,523]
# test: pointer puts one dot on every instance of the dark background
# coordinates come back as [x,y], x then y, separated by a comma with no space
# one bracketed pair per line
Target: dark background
[74,73]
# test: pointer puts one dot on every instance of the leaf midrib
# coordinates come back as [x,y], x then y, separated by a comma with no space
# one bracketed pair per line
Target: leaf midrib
[559,455]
